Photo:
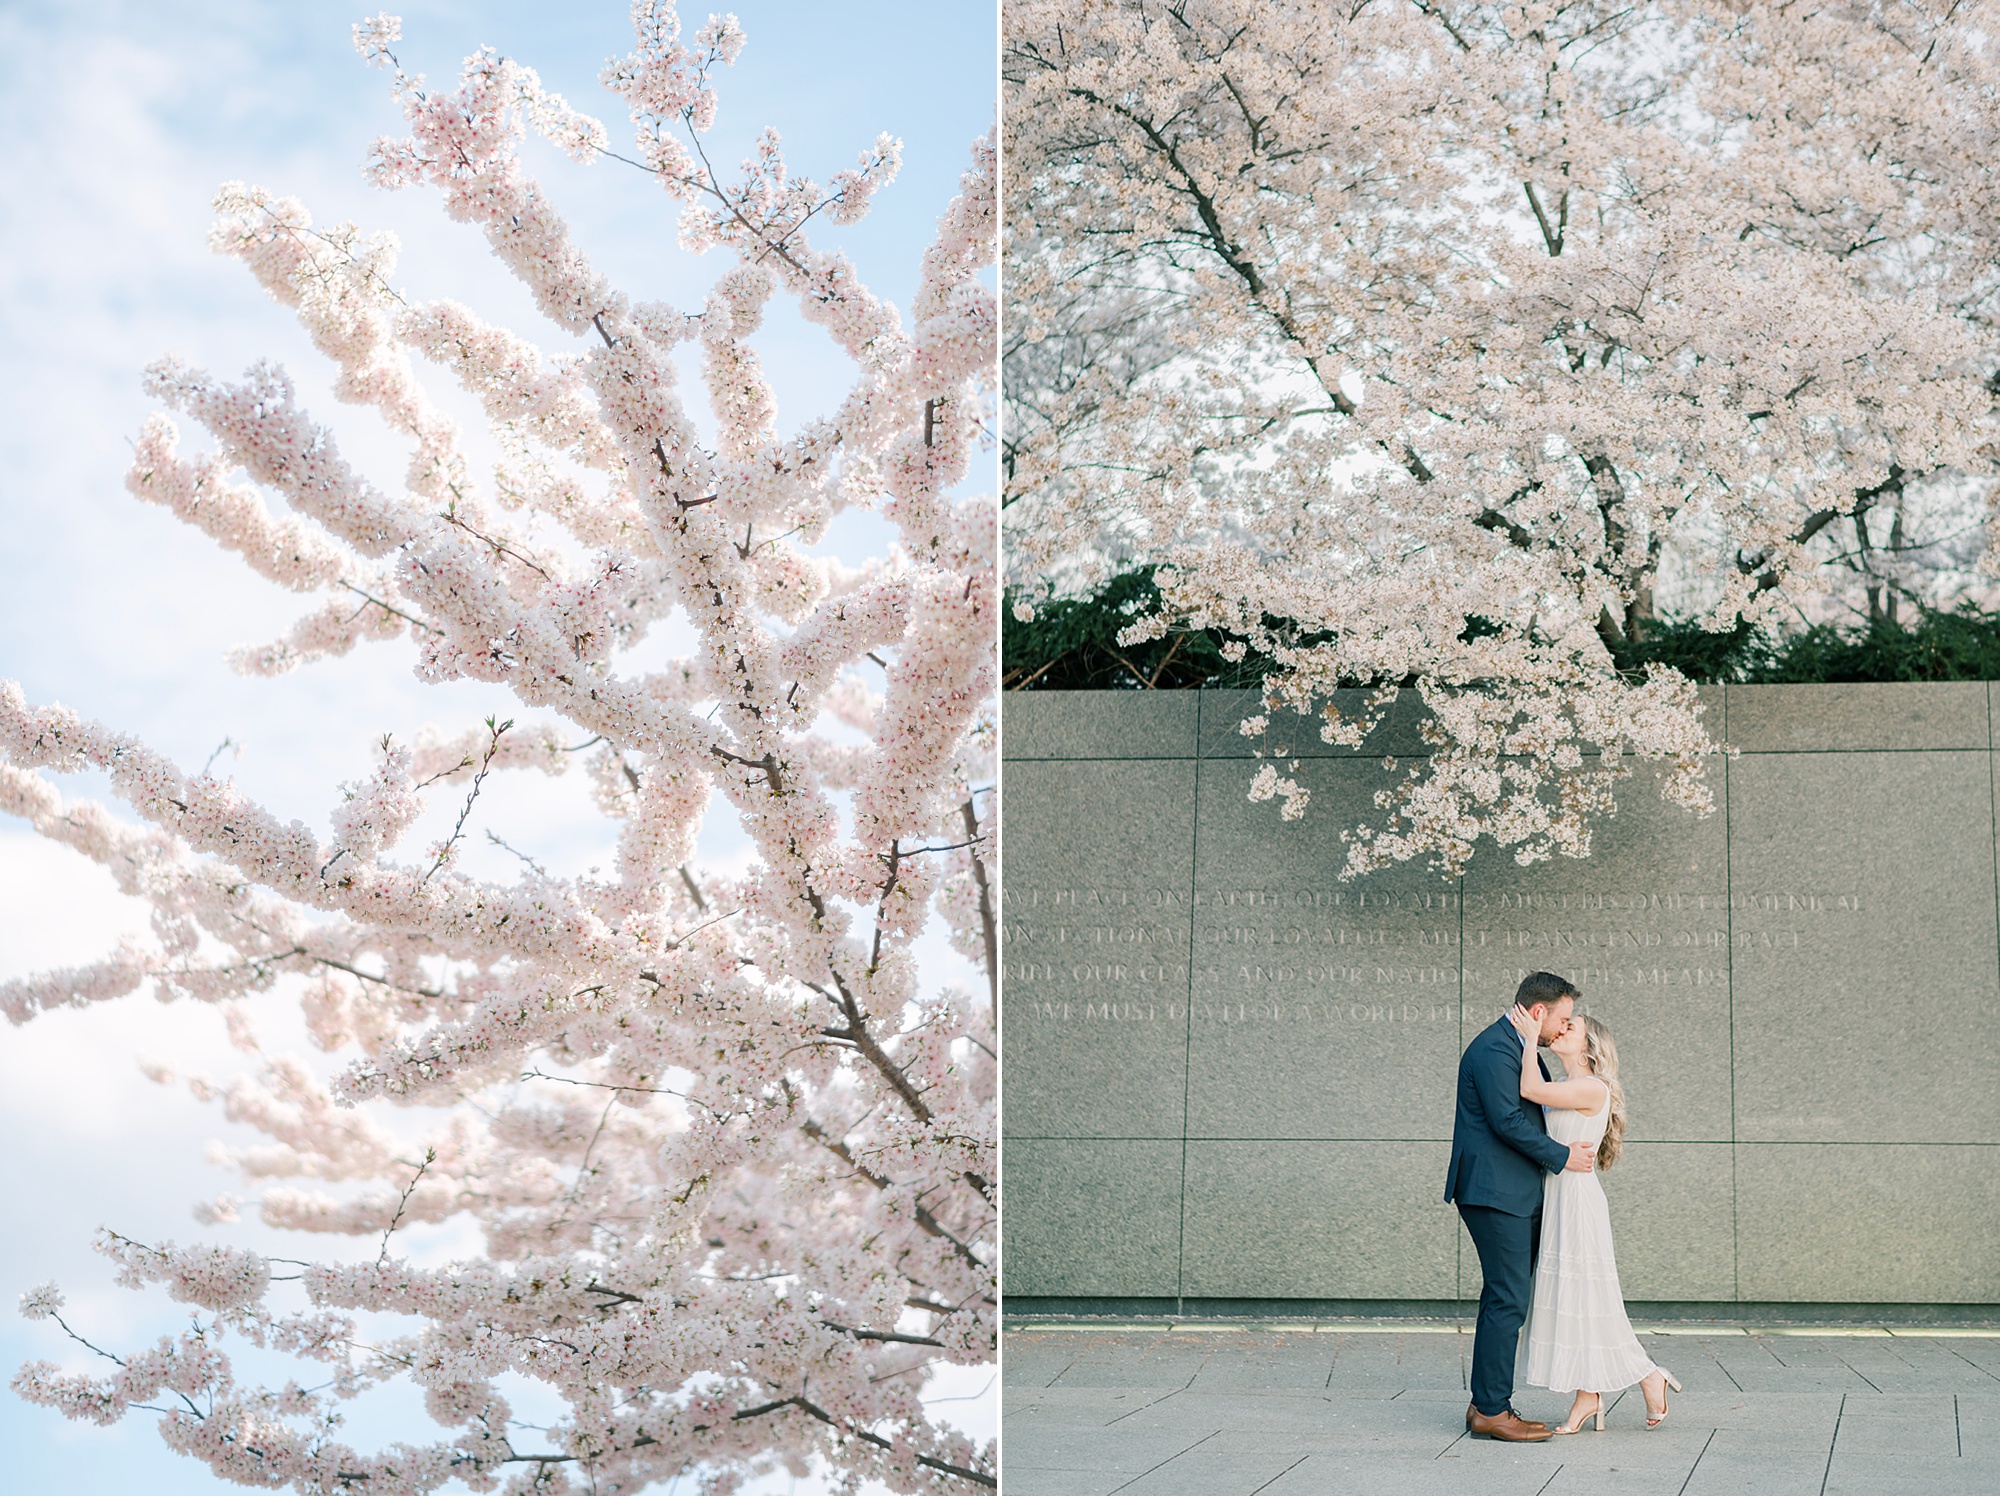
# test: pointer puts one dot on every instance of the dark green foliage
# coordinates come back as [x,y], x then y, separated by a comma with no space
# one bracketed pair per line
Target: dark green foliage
[1697,653]
[1960,644]
[1071,645]
[1963,644]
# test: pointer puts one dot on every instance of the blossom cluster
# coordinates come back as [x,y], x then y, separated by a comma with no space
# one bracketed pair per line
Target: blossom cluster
[1455,332]
[731,1152]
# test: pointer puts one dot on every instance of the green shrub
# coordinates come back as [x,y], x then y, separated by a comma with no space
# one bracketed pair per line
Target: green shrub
[1961,644]
[1071,644]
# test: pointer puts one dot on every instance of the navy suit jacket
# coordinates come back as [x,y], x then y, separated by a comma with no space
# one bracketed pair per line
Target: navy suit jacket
[1500,1147]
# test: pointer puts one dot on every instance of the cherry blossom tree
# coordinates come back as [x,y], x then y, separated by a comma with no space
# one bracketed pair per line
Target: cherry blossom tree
[729,1151]
[1453,332]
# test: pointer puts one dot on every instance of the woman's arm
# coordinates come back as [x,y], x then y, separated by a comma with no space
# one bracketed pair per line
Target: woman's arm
[1498,1091]
[1584,1094]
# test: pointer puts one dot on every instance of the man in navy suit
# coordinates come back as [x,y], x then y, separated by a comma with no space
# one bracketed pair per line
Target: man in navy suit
[1500,1150]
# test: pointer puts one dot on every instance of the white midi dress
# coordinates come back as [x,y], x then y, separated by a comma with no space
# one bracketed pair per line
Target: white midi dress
[1577,1336]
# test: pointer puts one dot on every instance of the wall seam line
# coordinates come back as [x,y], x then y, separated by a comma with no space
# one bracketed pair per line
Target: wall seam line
[1993,818]
[1187,1037]
[1729,965]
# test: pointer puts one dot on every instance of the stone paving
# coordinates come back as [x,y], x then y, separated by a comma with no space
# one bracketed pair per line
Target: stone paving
[1378,1410]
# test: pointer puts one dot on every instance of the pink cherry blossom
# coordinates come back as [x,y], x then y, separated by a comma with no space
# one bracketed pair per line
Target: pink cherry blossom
[1461,335]
[729,1149]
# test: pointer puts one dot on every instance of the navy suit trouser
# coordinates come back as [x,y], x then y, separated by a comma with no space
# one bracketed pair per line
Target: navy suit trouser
[1507,1246]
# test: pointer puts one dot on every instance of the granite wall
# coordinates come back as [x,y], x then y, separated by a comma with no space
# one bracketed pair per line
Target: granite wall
[1229,1075]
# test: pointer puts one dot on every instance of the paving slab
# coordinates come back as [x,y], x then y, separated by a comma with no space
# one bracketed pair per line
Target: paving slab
[1333,1475]
[1222,1409]
[1079,1407]
[1898,1426]
[1285,1364]
[1572,1479]
[1029,1481]
[1099,1365]
[1726,1470]
[1981,1355]
[1865,1474]
[1129,1451]
[1219,1466]
[1299,1415]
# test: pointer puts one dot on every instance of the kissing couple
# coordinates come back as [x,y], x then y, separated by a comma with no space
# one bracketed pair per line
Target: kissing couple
[1525,1151]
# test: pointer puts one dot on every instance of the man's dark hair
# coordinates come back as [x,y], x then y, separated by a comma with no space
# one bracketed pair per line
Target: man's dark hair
[1544,987]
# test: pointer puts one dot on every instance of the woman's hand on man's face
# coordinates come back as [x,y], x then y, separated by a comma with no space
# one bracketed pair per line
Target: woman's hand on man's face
[1525,1024]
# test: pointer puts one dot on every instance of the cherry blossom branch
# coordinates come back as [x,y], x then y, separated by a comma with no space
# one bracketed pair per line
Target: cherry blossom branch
[857,1034]
[403,1204]
[435,988]
[485,765]
[373,601]
[978,1477]
[926,1222]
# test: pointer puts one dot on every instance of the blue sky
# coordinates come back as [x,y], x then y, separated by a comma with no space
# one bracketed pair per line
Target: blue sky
[117,122]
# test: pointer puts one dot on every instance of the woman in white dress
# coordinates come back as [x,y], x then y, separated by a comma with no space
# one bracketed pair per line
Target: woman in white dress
[1578,1337]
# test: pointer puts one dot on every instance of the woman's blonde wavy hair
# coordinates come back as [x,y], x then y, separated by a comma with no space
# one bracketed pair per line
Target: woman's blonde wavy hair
[1601,1055]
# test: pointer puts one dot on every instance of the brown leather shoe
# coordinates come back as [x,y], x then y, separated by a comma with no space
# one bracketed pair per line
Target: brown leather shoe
[1506,1424]
[1472,1412]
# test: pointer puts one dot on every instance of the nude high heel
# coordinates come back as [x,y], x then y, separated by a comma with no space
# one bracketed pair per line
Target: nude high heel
[1596,1412]
[1671,1381]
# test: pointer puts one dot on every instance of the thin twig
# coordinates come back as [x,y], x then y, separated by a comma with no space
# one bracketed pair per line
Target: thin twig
[450,517]
[544,872]
[600,1085]
[430,1157]
[582,1168]
[408,618]
[426,782]
[485,764]
[1179,639]
[1045,669]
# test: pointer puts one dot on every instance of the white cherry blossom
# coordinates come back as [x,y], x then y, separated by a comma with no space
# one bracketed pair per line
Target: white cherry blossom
[730,1151]
[1445,329]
